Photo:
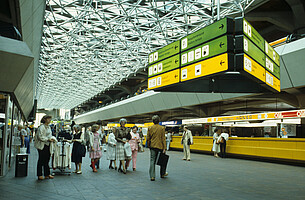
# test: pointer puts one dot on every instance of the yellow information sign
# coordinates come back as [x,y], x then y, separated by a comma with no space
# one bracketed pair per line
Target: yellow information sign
[165,79]
[205,67]
[273,82]
[254,68]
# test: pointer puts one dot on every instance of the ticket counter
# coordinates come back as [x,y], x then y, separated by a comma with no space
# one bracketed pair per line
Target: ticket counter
[274,148]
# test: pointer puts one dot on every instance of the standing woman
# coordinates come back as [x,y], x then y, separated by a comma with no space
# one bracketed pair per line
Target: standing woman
[187,140]
[134,144]
[43,137]
[216,147]
[122,135]
[111,150]
[95,141]
[78,150]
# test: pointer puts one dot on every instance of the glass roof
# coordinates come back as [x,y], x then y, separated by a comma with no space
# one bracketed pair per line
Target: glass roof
[89,45]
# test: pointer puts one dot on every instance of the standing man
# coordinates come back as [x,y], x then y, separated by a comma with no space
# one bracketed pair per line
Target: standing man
[187,140]
[157,143]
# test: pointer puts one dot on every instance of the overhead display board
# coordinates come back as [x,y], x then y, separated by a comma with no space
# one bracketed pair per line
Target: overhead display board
[272,67]
[165,52]
[247,64]
[221,27]
[226,56]
[242,26]
[208,50]
[206,67]
[272,53]
[164,66]
[165,79]
[243,44]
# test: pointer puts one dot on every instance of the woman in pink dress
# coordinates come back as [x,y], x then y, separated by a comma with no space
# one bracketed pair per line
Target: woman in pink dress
[134,144]
[95,153]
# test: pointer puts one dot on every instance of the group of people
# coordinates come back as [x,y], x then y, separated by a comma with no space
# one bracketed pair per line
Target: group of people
[25,134]
[123,146]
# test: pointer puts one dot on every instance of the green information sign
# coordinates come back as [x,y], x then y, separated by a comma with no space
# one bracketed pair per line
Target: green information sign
[243,26]
[243,44]
[272,67]
[164,66]
[208,50]
[272,53]
[164,52]
[207,33]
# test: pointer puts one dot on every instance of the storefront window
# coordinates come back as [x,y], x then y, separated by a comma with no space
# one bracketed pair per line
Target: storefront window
[7,154]
[3,100]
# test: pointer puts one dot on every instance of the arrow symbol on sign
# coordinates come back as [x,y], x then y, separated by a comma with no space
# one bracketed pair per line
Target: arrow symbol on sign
[221,44]
[221,62]
[176,61]
[221,27]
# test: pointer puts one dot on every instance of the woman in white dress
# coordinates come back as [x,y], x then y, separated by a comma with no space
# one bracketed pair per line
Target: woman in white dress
[216,146]
[111,150]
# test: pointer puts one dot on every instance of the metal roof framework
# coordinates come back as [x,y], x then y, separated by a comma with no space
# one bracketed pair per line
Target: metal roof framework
[90,45]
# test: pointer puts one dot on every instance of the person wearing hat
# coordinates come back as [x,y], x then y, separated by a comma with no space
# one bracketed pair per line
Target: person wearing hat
[43,138]
[122,136]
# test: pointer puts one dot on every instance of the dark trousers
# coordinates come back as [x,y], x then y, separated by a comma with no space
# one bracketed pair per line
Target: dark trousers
[153,157]
[43,161]
[223,149]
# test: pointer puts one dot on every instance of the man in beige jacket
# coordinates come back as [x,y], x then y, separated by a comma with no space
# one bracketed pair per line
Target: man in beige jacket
[187,140]
[157,143]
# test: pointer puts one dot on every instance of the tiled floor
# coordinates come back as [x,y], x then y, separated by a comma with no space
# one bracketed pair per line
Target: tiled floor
[205,177]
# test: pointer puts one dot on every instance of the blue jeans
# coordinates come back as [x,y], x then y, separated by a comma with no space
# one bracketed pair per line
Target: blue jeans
[27,144]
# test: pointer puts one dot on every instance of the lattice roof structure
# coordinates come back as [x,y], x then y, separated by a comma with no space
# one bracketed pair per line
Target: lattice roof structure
[89,45]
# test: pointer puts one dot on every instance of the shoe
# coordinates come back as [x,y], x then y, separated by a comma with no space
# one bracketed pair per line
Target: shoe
[75,171]
[94,170]
[166,174]
[183,159]
[115,168]
[134,169]
[40,178]
[152,179]
[124,171]
[79,172]
[97,167]
[119,170]
[188,159]
[110,167]
[50,177]
[91,166]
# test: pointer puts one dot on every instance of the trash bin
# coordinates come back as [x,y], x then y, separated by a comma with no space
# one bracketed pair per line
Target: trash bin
[21,168]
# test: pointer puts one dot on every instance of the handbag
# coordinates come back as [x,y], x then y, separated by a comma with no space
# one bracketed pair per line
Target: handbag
[189,141]
[127,149]
[162,159]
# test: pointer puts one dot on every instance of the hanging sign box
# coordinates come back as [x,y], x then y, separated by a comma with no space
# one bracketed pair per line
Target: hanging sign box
[221,27]
[164,66]
[164,52]
[242,26]
[244,45]
[207,67]
[208,50]
[275,57]
[165,79]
